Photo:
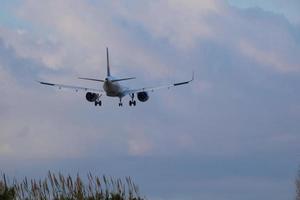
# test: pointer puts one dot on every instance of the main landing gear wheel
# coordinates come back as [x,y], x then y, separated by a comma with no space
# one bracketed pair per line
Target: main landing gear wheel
[98,103]
[132,103]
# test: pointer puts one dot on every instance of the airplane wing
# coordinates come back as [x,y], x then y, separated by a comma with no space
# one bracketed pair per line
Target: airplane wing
[76,88]
[152,89]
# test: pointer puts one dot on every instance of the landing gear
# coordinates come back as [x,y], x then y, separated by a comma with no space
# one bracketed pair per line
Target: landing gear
[132,102]
[98,103]
[120,104]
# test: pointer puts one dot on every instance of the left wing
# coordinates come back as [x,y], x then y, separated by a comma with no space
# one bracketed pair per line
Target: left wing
[152,89]
[76,88]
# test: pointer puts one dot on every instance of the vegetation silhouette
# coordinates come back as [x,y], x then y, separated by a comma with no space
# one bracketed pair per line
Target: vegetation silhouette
[298,186]
[60,187]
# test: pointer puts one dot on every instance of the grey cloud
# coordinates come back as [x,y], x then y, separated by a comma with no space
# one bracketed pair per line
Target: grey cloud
[242,90]
[22,69]
[265,37]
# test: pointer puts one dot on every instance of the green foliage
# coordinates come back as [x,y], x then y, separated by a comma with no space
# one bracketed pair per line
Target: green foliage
[59,187]
[6,193]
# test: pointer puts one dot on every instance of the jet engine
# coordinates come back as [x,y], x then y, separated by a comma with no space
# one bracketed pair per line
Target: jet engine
[92,97]
[142,96]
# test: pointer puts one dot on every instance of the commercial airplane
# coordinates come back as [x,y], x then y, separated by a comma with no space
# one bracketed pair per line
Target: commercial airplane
[112,88]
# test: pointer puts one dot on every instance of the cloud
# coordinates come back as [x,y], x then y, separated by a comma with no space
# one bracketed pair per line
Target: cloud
[32,122]
[139,144]
[69,43]
[208,34]
[269,58]
[78,40]
[288,8]
[5,149]
[181,23]
[186,25]
[71,40]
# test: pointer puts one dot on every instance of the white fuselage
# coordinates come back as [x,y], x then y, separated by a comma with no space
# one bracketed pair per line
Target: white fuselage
[113,89]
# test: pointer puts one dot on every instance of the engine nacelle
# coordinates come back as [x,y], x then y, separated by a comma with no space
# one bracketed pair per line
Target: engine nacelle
[91,97]
[142,96]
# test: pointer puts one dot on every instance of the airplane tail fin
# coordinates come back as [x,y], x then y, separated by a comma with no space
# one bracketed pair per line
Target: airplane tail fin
[107,62]
[108,70]
[108,73]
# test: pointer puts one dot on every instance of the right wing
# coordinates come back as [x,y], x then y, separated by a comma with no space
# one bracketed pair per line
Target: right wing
[76,88]
[152,89]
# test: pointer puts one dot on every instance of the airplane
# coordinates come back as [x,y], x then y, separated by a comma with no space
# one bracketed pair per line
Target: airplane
[112,88]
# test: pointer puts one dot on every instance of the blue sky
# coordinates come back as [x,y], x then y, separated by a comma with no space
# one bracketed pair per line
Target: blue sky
[232,134]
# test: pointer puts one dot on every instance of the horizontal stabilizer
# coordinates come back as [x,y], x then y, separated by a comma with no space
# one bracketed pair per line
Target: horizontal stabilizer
[122,79]
[92,79]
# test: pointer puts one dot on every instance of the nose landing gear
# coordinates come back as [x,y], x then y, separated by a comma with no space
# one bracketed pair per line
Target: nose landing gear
[120,104]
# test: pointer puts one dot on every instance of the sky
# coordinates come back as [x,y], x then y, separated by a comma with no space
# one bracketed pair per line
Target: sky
[232,134]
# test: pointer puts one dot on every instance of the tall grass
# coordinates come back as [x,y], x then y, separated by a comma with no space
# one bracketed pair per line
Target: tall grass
[298,185]
[60,187]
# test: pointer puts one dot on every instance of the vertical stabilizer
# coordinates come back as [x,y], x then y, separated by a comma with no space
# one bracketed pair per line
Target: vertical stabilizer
[107,62]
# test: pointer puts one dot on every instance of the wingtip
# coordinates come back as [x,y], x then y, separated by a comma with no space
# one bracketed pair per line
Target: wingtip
[45,83]
[193,76]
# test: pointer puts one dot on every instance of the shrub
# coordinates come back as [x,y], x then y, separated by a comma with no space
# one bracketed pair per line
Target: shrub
[60,187]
